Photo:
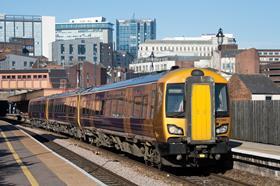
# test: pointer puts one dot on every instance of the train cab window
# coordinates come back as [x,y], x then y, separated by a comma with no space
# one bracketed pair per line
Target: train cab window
[221,100]
[175,106]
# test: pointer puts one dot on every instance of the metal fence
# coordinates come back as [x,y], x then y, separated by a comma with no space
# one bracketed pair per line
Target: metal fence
[256,121]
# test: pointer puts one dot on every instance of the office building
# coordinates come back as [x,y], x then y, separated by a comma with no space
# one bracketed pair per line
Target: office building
[184,46]
[68,52]
[85,28]
[40,28]
[130,33]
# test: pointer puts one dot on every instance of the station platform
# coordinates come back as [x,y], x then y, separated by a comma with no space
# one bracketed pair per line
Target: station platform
[257,158]
[256,149]
[25,161]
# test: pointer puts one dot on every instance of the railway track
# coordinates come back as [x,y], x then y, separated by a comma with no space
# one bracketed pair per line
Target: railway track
[213,180]
[97,171]
[110,178]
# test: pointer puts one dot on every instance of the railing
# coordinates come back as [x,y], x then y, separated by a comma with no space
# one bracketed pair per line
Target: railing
[256,121]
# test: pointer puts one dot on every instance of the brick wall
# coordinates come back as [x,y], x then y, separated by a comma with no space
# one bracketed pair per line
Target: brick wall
[238,90]
[185,64]
[247,62]
[92,75]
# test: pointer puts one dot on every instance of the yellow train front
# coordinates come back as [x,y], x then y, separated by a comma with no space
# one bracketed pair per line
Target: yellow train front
[193,121]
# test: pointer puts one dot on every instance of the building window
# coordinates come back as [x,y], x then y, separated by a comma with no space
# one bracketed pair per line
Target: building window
[31,63]
[39,76]
[13,63]
[28,76]
[45,76]
[25,63]
[71,49]
[62,49]
[71,58]
[95,59]
[81,49]
[35,76]
[95,48]
[62,58]
[81,58]
[268,98]
[24,77]
[19,77]
[13,77]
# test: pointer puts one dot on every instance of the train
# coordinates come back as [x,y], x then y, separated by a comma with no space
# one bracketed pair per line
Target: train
[174,118]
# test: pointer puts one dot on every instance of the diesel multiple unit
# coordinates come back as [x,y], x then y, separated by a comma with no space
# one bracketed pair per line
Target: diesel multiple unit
[171,118]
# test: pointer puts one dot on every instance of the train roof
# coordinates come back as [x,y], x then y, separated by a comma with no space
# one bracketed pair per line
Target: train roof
[135,81]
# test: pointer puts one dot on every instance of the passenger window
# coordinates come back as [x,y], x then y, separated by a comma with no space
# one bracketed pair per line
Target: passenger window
[145,107]
[107,108]
[137,107]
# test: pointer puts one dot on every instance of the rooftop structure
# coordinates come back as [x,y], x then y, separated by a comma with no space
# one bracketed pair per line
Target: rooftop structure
[85,28]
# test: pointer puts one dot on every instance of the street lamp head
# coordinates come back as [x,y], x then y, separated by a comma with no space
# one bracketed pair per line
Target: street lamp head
[220,37]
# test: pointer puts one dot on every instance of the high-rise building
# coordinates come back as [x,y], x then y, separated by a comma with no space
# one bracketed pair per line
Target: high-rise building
[85,28]
[130,33]
[40,28]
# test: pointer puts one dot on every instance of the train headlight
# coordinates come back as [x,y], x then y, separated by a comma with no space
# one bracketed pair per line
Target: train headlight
[173,129]
[222,129]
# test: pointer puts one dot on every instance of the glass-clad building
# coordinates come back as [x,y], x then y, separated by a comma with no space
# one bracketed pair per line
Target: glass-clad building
[130,33]
[85,28]
[40,28]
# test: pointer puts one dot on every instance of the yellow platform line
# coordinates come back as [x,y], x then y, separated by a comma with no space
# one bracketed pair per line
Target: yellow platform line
[24,169]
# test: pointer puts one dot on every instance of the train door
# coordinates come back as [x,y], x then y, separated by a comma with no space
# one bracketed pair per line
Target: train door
[200,112]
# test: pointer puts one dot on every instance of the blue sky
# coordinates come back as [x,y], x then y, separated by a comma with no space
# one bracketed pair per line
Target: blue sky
[255,23]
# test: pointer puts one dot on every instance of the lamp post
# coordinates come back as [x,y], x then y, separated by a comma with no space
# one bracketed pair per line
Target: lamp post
[220,39]
[152,56]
